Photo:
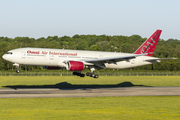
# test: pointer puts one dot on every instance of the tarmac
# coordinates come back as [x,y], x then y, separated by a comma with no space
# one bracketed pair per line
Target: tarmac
[88,92]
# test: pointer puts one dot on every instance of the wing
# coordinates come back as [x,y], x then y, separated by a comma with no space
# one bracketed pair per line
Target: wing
[100,62]
[115,59]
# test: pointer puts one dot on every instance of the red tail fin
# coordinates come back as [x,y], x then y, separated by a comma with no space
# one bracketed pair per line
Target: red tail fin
[150,44]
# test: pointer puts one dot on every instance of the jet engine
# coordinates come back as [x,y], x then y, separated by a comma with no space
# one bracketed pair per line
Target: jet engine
[51,68]
[75,66]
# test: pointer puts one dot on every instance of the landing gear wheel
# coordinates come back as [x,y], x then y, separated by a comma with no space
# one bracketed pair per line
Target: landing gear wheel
[88,74]
[92,75]
[74,73]
[96,76]
[78,74]
[82,75]
[17,71]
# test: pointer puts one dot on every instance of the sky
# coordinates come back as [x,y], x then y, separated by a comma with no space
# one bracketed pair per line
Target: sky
[43,18]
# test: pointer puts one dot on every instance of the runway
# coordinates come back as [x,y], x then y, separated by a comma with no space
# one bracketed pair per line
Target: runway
[89,92]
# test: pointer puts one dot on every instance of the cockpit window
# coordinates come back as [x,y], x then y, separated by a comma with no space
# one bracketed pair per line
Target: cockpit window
[9,53]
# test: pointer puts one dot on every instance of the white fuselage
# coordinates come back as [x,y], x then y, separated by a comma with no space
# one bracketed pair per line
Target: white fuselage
[57,57]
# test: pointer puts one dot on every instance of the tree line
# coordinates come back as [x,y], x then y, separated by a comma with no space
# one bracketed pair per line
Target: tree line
[128,44]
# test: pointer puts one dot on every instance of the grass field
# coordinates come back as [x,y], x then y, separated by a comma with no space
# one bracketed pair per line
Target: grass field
[110,108]
[76,82]
[90,108]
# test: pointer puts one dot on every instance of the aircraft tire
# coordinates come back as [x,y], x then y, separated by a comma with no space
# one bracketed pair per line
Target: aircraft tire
[96,76]
[17,71]
[82,75]
[92,75]
[88,74]
[78,74]
[75,73]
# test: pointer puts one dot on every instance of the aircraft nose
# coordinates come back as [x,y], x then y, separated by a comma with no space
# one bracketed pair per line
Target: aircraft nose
[7,57]
[3,56]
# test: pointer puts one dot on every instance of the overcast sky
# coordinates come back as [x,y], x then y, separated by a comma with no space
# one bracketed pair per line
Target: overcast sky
[42,18]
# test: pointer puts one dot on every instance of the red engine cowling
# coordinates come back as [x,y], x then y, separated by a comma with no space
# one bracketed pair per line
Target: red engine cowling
[75,66]
[51,68]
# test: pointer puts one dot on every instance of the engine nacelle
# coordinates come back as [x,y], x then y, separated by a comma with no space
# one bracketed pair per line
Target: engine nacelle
[75,66]
[51,68]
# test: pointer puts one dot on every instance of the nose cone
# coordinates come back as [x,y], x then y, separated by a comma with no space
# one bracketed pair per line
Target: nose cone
[7,57]
[3,57]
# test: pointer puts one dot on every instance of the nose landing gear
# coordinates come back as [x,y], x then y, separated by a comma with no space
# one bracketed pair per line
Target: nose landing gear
[17,66]
[17,71]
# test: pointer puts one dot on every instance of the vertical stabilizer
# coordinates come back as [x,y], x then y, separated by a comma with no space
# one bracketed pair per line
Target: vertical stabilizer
[150,44]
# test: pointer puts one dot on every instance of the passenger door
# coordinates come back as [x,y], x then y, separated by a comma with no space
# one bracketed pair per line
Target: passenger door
[23,54]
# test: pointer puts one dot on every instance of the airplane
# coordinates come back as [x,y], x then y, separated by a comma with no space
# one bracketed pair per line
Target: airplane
[78,60]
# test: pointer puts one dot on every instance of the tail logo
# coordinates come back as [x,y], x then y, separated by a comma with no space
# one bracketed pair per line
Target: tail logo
[145,48]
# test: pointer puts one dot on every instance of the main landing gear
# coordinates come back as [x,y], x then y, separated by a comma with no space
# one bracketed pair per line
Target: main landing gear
[92,75]
[17,66]
[87,74]
[78,74]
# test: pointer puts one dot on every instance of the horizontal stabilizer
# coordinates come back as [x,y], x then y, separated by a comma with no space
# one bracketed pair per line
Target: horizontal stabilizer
[153,59]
